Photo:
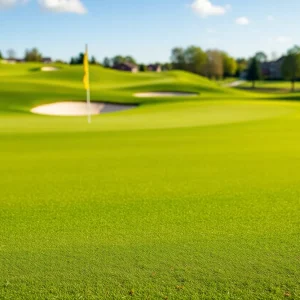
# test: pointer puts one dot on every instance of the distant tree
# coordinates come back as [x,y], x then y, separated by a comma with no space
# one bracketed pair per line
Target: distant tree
[166,66]
[117,60]
[291,66]
[294,50]
[195,60]
[73,61]
[242,64]
[214,65]
[77,60]
[261,57]
[33,55]
[192,59]
[1,57]
[142,68]
[80,58]
[177,59]
[11,54]
[106,62]
[254,71]
[129,59]
[93,60]
[230,65]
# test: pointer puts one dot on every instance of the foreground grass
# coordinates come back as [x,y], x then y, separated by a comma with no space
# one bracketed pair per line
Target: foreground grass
[181,200]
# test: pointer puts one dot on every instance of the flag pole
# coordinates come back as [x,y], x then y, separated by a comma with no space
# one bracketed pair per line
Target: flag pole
[88,92]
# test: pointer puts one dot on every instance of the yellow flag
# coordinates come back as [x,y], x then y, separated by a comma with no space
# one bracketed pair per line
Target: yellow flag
[86,79]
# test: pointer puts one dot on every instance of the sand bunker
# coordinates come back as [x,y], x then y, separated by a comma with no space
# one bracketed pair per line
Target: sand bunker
[49,69]
[78,108]
[164,94]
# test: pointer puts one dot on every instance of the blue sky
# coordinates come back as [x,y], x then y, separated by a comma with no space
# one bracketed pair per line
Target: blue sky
[148,29]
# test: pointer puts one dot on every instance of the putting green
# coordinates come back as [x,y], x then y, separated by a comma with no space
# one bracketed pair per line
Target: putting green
[175,199]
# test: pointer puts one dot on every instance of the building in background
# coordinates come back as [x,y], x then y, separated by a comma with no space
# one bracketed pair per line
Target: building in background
[126,66]
[154,68]
[272,69]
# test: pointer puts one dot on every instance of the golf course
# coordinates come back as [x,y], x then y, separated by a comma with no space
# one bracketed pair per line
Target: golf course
[194,194]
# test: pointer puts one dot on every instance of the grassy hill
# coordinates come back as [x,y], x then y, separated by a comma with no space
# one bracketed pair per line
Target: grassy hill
[106,85]
[180,198]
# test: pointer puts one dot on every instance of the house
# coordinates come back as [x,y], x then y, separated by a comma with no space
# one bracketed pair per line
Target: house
[265,69]
[272,69]
[46,60]
[275,69]
[154,68]
[128,67]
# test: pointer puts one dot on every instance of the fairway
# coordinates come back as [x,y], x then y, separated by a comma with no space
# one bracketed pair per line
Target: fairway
[177,198]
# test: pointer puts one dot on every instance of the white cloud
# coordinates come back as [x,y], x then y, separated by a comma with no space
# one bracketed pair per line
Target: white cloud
[205,8]
[242,21]
[270,18]
[283,39]
[63,6]
[10,3]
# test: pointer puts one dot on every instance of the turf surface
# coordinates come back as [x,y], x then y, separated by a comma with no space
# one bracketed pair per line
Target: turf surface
[176,199]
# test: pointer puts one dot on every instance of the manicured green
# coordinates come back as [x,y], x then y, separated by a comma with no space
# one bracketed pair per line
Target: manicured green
[181,198]
[271,86]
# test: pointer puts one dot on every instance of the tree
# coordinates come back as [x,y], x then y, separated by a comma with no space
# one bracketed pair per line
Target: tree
[166,66]
[1,57]
[261,57]
[254,71]
[77,60]
[73,61]
[93,60]
[291,66]
[11,54]
[177,58]
[80,58]
[294,50]
[106,62]
[230,65]
[33,55]
[214,66]
[142,68]
[129,59]
[117,60]
[242,64]
[195,59]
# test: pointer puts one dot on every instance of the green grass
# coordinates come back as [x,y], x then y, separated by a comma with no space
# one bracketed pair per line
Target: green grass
[176,199]
[227,80]
[271,86]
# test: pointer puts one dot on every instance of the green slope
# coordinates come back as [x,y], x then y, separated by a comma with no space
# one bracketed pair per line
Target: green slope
[176,199]
[29,87]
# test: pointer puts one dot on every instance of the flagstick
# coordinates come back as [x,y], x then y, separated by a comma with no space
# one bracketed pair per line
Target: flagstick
[88,99]
[88,92]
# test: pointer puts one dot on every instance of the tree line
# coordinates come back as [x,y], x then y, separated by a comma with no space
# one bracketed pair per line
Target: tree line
[214,64]
[32,55]
[290,67]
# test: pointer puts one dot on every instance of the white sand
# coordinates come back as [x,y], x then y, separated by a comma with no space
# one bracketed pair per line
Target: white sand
[49,69]
[79,108]
[67,109]
[164,94]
